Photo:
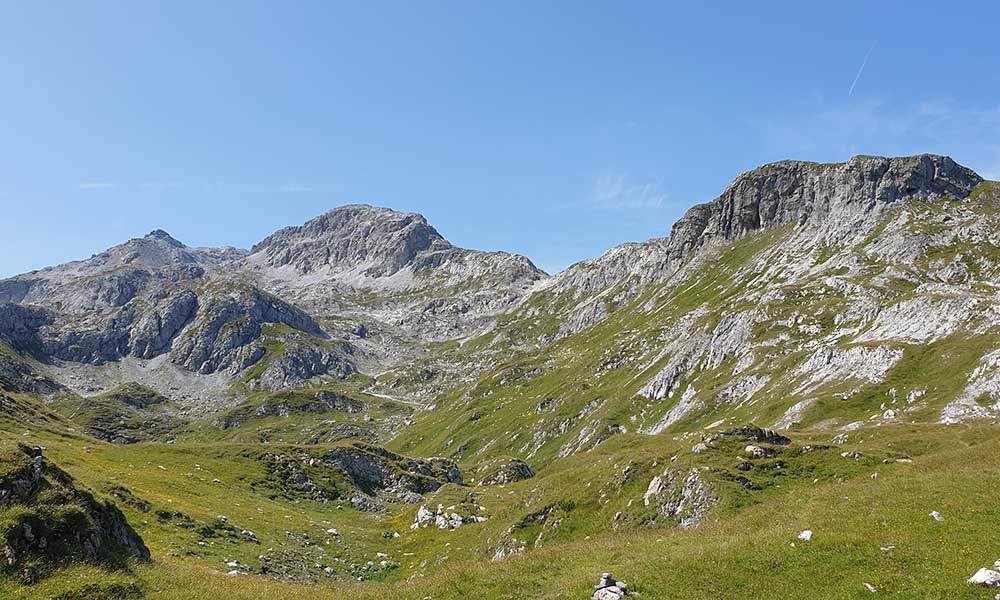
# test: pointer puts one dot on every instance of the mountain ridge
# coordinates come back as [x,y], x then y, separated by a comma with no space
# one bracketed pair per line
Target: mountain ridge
[359,269]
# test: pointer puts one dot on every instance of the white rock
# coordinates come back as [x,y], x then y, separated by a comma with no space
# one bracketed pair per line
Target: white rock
[986,577]
[806,535]
[609,593]
[424,517]
[655,487]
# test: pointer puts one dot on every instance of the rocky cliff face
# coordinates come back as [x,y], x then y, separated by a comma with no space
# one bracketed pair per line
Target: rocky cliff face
[367,263]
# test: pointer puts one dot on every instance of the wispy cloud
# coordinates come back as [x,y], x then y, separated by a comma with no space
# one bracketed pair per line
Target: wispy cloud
[619,192]
[860,70]
[96,185]
[160,185]
[213,187]
[298,188]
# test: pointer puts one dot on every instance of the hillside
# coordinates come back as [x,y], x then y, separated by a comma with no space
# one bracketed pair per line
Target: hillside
[358,406]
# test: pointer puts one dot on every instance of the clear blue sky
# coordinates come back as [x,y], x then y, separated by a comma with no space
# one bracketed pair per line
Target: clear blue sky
[553,129]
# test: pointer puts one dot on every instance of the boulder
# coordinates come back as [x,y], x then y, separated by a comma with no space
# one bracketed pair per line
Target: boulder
[756,452]
[986,578]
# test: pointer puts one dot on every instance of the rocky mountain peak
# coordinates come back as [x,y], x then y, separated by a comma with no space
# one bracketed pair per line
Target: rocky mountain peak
[375,241]
[839,195]
[164,237]
[834,201]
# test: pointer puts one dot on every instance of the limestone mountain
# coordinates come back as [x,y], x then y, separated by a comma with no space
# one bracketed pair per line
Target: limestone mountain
[363,262]
[806,294]
[355,285]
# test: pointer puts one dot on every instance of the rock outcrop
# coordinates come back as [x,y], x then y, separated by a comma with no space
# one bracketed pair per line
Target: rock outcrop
[229,319]
[683,496]
[288,403]
[58,520]
[504,470]
[376,471]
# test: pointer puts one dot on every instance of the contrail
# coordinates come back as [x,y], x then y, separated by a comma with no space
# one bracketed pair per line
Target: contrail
[858,76]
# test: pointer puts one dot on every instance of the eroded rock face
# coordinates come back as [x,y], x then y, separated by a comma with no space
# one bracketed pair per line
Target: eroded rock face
[229,319]
[19,326]
[377,240]
[18,376]
[141,328]
[808,193]
[302,360]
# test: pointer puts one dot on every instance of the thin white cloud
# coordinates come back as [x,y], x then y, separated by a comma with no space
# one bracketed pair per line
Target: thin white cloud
[214,187]
[298,188]
[96,185]
[618,192]
[161,185]
[860,70]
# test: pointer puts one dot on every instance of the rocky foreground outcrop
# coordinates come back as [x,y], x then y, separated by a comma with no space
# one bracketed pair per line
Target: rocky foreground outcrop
[55,520]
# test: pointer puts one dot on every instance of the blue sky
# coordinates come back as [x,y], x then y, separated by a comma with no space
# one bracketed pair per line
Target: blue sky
[553,129]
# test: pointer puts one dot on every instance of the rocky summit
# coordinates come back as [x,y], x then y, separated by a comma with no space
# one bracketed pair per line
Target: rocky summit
[357,408]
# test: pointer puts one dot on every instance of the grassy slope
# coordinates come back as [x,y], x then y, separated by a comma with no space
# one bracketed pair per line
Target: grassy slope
[744,550]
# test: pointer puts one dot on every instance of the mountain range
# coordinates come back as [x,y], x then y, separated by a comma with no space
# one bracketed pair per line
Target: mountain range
[806,302]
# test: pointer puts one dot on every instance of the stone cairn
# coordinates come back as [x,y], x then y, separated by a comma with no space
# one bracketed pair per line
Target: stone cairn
[609,589]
